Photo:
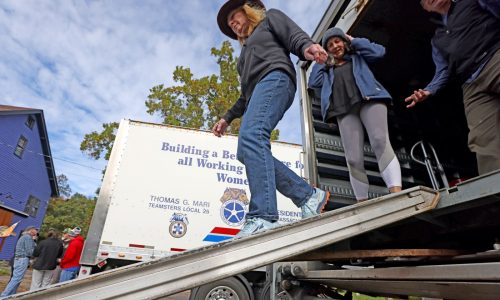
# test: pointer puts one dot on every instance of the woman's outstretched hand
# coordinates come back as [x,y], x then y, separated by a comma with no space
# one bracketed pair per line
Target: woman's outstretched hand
[220,127]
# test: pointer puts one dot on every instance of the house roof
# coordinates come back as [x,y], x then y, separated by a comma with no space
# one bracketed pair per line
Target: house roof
[8,108]
[44,139]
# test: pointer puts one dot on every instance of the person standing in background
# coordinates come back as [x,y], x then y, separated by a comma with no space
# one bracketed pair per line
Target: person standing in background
[466,48]
[70,263]
[24,250]
[47,254]
[11,260]
[65,238]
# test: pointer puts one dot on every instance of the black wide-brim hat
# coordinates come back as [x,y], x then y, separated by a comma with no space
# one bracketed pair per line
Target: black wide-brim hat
[227,8]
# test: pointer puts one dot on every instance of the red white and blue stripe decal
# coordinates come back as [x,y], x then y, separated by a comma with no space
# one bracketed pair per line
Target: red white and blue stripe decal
[219,234]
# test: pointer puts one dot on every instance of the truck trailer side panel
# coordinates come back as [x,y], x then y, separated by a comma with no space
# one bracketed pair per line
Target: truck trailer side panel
[169,189]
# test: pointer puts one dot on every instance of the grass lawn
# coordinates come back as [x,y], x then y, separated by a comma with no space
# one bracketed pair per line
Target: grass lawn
[4,268]
[356,296]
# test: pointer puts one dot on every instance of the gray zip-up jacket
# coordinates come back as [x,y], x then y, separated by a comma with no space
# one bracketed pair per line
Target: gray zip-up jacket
[267,49]
[25,246]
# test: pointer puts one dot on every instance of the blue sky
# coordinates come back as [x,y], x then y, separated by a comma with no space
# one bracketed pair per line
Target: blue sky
[91,62]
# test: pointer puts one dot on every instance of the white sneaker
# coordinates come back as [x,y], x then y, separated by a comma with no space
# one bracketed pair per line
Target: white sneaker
[253,225]
[315,205]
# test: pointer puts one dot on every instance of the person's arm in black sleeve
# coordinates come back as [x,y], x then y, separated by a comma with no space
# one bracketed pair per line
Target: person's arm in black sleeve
[36,252]
[236,111]
[60,250]
[493,6]
[291,36]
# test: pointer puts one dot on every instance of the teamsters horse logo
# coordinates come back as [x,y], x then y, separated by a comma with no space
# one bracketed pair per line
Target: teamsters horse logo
[234,206]
[178,225]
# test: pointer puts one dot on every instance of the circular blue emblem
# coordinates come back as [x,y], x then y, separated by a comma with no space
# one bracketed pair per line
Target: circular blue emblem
[177,229]
[233,212]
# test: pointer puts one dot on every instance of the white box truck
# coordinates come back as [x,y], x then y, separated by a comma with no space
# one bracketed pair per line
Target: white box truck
[169,189]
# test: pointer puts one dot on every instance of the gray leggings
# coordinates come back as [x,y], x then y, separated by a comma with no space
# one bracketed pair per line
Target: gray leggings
[373,116]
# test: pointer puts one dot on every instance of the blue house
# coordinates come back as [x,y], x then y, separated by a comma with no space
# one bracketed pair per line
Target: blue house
[27,175]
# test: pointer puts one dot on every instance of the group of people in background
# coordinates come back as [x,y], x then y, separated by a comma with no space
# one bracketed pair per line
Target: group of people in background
[465,48]
[54,259]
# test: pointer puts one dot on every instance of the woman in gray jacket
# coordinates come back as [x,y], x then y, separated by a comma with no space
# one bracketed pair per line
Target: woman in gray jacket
[268,84]
[351,96]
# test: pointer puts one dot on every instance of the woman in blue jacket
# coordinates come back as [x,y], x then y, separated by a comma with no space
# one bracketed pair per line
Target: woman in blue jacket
[351,96]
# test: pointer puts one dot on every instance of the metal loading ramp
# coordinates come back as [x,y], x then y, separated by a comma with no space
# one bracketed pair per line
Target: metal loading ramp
[478,281]
[177,273]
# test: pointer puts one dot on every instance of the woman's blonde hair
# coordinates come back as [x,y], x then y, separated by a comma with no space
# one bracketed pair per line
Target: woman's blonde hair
[255,15]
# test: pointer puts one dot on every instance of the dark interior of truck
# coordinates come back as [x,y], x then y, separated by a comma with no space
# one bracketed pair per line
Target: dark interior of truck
[406,31]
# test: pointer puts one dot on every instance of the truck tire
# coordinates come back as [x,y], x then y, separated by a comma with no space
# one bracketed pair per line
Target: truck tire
[265,293]
[224,289]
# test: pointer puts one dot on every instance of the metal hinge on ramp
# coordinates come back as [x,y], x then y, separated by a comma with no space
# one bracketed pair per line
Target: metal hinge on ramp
[170,275]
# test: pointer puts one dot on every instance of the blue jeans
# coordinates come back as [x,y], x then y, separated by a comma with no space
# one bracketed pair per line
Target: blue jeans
[68,275]
[20,267]
[271,98]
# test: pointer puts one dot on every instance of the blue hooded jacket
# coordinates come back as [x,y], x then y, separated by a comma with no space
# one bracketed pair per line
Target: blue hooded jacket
[364,52]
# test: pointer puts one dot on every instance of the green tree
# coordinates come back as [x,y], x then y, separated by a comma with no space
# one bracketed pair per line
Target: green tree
[194,102]
[96,143]
[62,213]
[63,186]
[198,102]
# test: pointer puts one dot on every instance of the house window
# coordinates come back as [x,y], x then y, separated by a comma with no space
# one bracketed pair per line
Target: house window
[21,146]
[32,206]
[30,122]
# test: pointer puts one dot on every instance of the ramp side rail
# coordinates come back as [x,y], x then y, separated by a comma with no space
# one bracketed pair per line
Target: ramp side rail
[170,275]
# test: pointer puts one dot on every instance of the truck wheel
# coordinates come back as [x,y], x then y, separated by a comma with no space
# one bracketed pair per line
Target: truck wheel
[265,293]
[225,289]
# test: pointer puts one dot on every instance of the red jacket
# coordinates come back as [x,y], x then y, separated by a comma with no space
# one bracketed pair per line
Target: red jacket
[72,255]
